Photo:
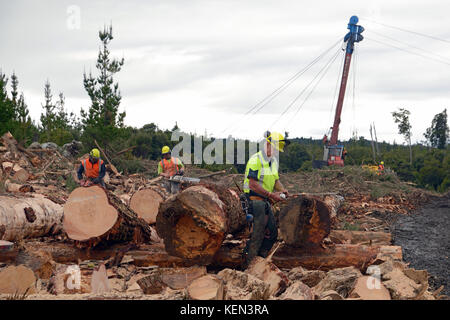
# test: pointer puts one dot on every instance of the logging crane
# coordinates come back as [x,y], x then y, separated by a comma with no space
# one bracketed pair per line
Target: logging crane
[332,151]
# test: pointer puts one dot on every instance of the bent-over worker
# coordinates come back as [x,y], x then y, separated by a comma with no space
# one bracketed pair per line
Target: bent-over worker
[93,168]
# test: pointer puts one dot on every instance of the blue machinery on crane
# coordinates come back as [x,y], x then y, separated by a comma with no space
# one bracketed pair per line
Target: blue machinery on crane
[333,153]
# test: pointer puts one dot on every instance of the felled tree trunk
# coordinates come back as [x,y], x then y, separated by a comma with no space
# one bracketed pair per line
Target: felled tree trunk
[145,203]
[360,237]
[337,256]
[23,217]
[304,221]
[93,215]
[15,187]
[194,223]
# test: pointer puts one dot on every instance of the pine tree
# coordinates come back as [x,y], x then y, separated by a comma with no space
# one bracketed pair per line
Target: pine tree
[438,134]
[401,117]
[6,107]
[62,118]
[25,129]
[14,93]
[48,118]
[103,116]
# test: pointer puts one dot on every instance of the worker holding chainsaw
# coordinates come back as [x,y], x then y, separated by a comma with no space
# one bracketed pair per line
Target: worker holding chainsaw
[262,187]
[169,167]
[93,168]
[380,168]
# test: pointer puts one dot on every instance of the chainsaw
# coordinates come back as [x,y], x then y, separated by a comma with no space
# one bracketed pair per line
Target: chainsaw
[178,178]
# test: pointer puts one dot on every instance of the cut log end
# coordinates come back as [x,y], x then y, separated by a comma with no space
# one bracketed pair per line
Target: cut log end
[193,224]
[195,241]
[208,287]
[304,221]
[17,280]
[88,214]
[146,204]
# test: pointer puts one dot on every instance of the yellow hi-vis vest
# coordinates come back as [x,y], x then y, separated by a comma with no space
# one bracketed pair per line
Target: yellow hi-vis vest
[267,174]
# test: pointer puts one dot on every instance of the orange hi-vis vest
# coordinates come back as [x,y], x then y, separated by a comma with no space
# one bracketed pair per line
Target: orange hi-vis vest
[170,167]
[92,170]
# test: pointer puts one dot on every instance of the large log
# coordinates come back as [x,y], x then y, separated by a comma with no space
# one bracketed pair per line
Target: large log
[304,221]
[360,237]
[93,215]
[194,223]
[229,255]
[28,217]
[338,256]
[316,258]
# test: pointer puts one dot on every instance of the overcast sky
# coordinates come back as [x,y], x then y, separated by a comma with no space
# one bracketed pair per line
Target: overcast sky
[204,63]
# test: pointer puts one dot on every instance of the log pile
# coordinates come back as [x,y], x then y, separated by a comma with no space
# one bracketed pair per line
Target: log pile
[132,240]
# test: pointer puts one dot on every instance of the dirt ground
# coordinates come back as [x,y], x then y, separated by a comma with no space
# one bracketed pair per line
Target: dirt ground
[425,240]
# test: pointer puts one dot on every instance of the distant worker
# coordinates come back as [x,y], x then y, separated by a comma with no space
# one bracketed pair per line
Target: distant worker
[381,168]
[168,167]
[262,185]
[93,168]
[344,153]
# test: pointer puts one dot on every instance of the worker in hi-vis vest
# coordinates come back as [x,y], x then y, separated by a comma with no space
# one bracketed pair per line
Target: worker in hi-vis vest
[93,168]
[168,167]
[261,186]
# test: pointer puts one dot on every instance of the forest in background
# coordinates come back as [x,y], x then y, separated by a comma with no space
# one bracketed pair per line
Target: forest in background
[426,164]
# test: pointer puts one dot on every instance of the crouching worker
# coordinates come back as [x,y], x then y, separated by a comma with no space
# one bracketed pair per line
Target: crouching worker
[261,186]
[93,168]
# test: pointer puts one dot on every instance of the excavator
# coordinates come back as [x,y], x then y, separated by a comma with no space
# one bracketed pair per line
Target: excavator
[334,153]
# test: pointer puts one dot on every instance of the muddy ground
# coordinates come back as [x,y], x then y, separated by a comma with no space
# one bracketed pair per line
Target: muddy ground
[425,240]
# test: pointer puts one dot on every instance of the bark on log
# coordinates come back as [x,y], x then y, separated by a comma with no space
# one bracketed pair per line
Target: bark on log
[145,203]
[194,223]
[93,216]
[229,256]
[151,284]
[337,256]
[15,187]
[304,221]
[23,217]
[360,237]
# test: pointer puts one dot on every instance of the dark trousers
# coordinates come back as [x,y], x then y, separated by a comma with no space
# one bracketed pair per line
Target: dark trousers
[264,233]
